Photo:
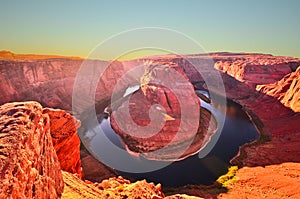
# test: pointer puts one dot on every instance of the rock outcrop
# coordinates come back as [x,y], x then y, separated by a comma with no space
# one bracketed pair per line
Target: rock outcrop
[112,188]
[63,130]
[175,116]
[274,181]
[29,166]
[287,90]
[254,69]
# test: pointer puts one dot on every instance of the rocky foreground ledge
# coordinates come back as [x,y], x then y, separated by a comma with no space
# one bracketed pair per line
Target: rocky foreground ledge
[29,165]
[39,158]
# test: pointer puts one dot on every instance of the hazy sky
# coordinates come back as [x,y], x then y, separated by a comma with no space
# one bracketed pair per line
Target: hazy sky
[73,27]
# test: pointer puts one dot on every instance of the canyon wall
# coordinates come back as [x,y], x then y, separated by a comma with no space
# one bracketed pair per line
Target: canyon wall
[270,98]
[266,86]
[252,80]
[51,82]
[286,90]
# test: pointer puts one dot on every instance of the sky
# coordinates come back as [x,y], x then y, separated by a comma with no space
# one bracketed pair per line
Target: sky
[75,28]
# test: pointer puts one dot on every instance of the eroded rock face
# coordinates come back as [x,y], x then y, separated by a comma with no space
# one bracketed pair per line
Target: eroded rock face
[50,81]
[279,123]
[63,130]
[256,69]
[29,166]
[273,109]
[287,90]
[251,68]
[170,129]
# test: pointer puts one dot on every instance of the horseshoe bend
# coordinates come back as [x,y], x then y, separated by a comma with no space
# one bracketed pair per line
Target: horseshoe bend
[49,105]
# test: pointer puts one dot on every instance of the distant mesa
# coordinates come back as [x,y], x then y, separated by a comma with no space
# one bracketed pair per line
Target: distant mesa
[8,55]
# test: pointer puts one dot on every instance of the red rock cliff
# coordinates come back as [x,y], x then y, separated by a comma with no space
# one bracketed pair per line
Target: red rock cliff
[29,166]
[51,82]
[287,90]
[63,130]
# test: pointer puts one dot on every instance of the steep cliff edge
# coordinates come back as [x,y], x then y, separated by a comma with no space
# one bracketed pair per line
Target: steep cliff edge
[51,82]
[63,130]
[271,182]
[255,69]
[287,90]
[29,166]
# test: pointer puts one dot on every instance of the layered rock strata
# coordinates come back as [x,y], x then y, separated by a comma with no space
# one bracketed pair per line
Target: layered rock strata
[29,166]
[63,130]
[270,99]
[286,90]
[174,120]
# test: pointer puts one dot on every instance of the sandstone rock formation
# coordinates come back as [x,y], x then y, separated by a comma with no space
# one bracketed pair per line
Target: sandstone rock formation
[29,166]
[63,130]
[171,129]
[266,86]
[254,69]
[287,90]
[112,188]
[51,82]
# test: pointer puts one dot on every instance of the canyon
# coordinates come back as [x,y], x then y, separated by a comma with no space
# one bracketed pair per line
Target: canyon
[266,86]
